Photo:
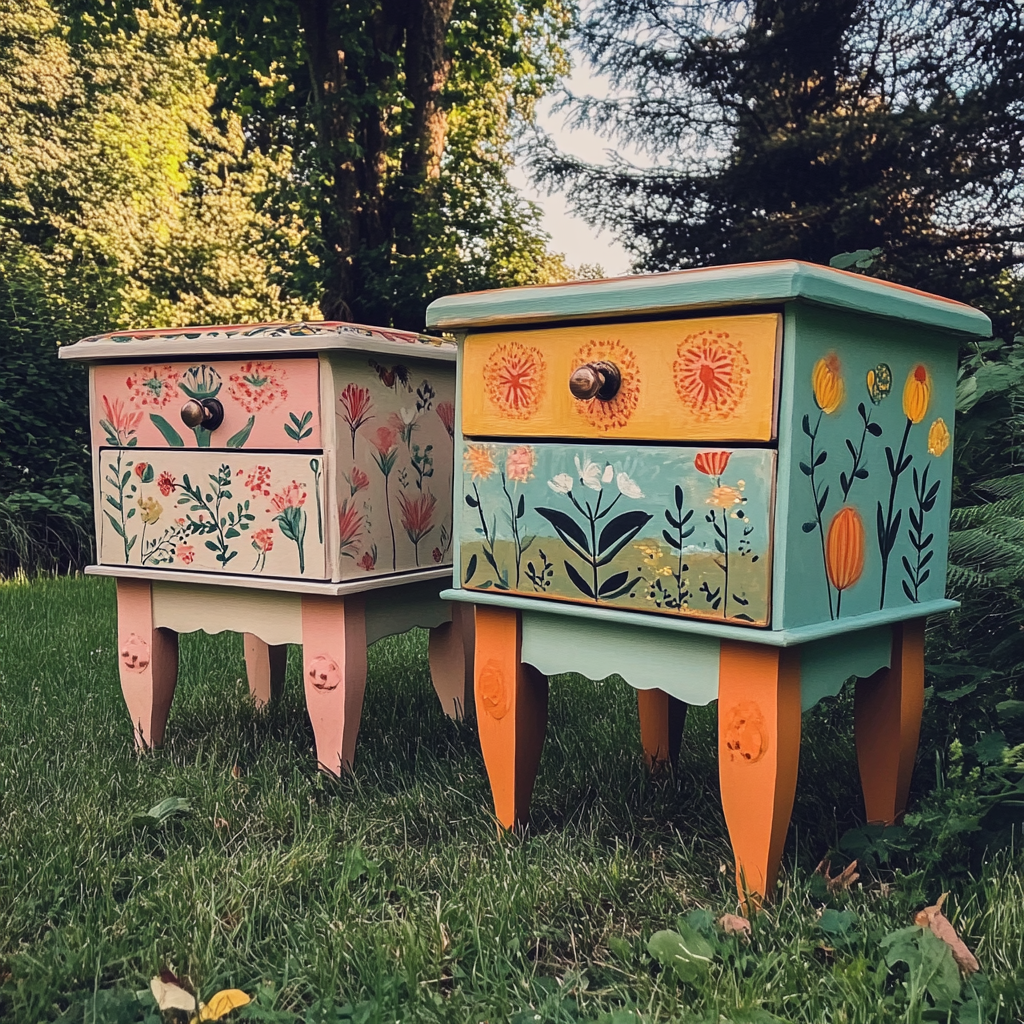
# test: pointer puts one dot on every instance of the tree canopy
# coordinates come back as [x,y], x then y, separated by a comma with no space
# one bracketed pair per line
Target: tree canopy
[805,128]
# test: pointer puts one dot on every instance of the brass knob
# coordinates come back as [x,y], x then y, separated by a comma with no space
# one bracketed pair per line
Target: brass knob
[208,413]
[595,380]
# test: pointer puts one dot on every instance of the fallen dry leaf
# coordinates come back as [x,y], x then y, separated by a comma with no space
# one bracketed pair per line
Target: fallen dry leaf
[933,918]
[236,772]
[221,1004]
[841,882]
[733,924]
[220,823]
[169,994]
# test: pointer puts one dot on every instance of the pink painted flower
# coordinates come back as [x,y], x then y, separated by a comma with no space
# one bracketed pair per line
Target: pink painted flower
[446,413]
[293,496]
[519,463]
[120,424]
[350,521]
[263,540]
[185,553]
[150,386]
[369,559]
[356,409]
[257,385]
[358,480]
[385,440]
[140,469]
[166,483]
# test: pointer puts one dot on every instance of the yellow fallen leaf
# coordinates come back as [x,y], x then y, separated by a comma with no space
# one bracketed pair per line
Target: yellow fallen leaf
[171,996]
[936,921]
[221,1004]
[841,882]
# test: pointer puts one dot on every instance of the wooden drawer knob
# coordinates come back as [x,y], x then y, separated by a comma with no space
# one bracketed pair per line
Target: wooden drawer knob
[595,380]
[208,413]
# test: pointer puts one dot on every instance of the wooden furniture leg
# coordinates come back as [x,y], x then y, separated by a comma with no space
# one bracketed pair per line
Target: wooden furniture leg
[147,662]
[662,718]
[451,661]
[887,711]
[334,675]
[265,667]
[511,712]
[758,755]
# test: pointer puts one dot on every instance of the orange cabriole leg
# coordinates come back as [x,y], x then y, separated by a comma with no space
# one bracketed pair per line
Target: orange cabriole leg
[450,651]
[662,718]
[147,662]
[887,724]
[334,675]
[265,668]
[758,756]
[511,712]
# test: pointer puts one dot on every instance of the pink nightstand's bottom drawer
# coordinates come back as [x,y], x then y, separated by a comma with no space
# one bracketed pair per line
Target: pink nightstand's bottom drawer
[236,512]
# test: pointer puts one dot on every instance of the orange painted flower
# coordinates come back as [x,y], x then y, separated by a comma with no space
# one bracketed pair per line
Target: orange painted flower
[385,440]
[258,480]
[917,393]
[615,412]
[938,437]
[293,496]
[711,463]
[710,374]
[724,497]
[185,553]
[446,414]
[263,540]
[519,463]
[478,461]
[844,548]
[514,379]
[827,381]
[350,521]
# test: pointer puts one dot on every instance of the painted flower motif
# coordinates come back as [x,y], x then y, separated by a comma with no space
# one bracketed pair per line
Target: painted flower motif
[201,382]
[151,510]
[417,514]
[629,488]
[257,385]
[917,393]
[519,464]
[591,475]
[561,484]
[710,374]
[403,423]
[185,553]
[166,483]
[446,414]
[711,463]
[385,440]
[879,381]
[437,554]
[155,387]
[514,379]
[477,460]
[828,384]
[263,540]
[140,469]
[725,497]
[356,407]
[258,480]
[351,523]
[369,559]
[938,438]
[293,496]
[616,412]
[844,548]
[119,424]
[357,481]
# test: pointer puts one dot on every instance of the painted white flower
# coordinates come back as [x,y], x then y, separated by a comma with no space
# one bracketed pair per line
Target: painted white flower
[628,487]
[408,415]
[562,484]
[608,474]
[589,473]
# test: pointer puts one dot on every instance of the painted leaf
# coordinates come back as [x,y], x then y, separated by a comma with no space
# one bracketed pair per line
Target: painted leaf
[612,584]
[470,569]
[578,581]
[568,529]
[170,435]
[237,440]
[619,532]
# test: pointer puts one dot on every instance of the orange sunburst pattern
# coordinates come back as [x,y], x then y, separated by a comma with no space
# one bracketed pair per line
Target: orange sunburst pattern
[617,411]
[710,374]
[514,379]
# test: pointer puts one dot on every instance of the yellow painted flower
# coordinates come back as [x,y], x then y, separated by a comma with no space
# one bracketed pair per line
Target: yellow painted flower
[725,497]
[827,381]
[917,393]
[478,461]
[879,381]
[938,437]
[651,552]
[151,510]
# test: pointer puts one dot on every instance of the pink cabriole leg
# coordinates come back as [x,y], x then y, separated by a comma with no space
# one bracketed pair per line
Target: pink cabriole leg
[147,660]
[264,666]
[334,675]
[451,661]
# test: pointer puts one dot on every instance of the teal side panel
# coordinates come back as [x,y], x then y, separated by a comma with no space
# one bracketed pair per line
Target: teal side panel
[867,487]
[826,664]
[458,506]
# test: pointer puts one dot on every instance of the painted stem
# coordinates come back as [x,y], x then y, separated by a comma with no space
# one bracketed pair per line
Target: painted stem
[515,525]
[856,465]
[391,525]
[894,474]
[817,517]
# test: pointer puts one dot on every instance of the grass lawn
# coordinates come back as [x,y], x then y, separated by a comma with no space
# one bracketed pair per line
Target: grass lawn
[388,895]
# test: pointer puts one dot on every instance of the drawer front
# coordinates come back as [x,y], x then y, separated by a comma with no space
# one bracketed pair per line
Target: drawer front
[250,515]
[686,380]
[268,403]
[681,531]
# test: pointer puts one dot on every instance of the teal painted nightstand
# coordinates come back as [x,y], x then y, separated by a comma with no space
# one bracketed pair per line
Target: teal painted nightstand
[730,483]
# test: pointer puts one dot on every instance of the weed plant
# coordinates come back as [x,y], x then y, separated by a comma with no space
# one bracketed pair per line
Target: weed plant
[390,896]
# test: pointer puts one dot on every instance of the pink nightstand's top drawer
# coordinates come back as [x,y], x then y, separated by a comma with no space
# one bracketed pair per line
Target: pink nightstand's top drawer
[268,403]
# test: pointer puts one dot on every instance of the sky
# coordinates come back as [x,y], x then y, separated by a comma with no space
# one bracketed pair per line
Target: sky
[570,235]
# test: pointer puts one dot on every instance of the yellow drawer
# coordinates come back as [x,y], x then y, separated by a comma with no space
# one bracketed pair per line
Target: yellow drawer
[710,379]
